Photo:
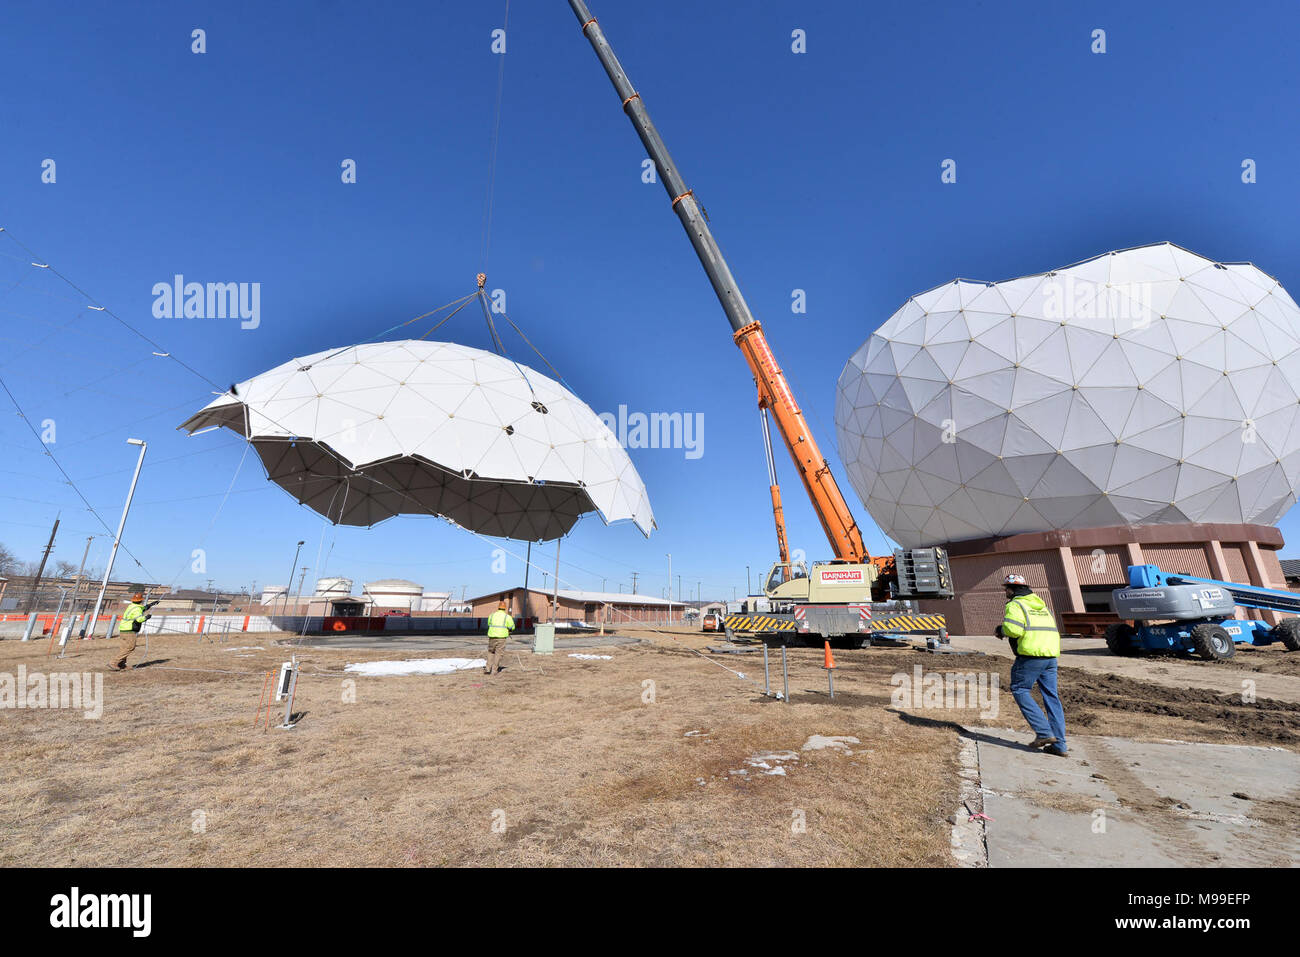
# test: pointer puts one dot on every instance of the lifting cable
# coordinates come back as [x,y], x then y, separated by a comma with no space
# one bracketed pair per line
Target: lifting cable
[486,240]
[459,303]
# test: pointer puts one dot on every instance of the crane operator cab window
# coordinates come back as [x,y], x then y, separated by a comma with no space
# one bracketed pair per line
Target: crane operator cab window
[783,572]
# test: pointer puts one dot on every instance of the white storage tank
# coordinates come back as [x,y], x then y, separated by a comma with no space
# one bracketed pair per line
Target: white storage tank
[394,593]
[333,587]
[435,601]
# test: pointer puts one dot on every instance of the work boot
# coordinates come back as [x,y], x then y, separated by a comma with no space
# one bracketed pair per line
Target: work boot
[1059,752]
[1040,742]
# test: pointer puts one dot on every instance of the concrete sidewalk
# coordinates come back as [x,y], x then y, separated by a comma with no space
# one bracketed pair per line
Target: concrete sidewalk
[1120,803]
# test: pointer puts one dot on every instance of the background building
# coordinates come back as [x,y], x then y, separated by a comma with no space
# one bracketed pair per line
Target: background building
[585,606]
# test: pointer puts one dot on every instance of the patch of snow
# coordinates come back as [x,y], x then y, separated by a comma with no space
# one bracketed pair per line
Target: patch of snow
[768,762]
[417,666]
[819,742]
[775,756]
[593,657]
[245,648]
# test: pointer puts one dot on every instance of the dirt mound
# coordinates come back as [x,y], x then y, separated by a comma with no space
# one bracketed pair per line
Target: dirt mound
[1263,721]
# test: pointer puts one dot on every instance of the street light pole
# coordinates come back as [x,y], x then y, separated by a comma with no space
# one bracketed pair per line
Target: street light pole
[117,539]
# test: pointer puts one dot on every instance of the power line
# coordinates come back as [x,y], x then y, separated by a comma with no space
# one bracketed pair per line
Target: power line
[68,478]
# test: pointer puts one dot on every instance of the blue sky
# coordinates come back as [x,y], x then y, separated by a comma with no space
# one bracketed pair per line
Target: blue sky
[820,171]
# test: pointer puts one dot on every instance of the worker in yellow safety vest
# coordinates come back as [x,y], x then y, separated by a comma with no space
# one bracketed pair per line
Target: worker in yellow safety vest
[1029,627]
[500,624]
[128,628]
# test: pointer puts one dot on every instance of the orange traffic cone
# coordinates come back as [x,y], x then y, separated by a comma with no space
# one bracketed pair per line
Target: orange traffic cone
[830,660]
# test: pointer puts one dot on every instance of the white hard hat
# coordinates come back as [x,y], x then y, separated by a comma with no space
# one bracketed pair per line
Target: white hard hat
[1014,579]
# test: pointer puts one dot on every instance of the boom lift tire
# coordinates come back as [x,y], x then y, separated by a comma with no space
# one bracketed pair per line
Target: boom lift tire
[1119,639]
[1212,642]
[1288,632]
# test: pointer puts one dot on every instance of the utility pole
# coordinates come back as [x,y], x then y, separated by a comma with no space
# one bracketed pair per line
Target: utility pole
[555,602]
[292,568]
[669,589]
[36,582]
[117,539]
[634,583]
[749,586]
[76,585]
[528,596]
[302,577]
[679,589]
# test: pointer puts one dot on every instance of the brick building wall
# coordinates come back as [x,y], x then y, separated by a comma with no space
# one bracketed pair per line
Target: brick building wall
[1059,564]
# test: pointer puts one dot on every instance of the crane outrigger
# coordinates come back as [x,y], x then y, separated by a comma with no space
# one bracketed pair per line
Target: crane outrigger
[835,595]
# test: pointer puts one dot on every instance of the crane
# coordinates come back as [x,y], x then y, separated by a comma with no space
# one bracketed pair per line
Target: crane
[836,593]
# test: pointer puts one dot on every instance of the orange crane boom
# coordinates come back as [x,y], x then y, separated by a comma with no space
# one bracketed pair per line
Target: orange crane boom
[823,491]
[774,393]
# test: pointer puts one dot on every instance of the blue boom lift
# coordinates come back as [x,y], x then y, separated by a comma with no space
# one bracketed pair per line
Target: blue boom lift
[1195,615]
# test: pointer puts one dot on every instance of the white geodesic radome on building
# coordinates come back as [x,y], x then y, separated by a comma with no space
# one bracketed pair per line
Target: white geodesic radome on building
[1145,386]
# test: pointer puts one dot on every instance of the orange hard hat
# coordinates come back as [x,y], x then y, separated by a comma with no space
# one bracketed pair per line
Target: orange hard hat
[502,604]
[138,596]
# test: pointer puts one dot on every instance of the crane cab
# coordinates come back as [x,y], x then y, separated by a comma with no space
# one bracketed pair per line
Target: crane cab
[828,583]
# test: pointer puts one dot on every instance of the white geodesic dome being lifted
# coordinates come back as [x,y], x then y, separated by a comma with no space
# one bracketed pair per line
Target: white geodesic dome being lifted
[367,432]
[1145,386]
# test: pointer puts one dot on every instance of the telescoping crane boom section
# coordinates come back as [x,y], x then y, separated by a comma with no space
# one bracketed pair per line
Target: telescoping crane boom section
[774,393]
[778,513]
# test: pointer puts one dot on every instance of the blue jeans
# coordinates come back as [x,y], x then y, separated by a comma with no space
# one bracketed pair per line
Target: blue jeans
[1026,673]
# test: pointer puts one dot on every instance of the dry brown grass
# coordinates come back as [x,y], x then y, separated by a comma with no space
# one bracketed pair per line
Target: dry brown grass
[584,771]
[411,773]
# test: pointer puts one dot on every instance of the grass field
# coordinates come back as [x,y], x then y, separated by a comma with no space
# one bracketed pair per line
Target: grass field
[557,761]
